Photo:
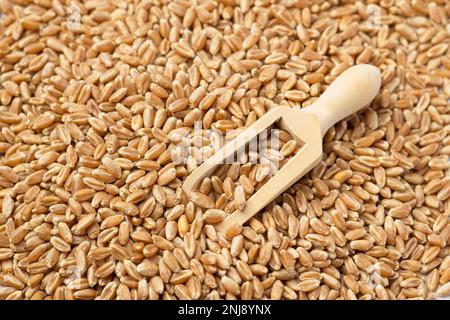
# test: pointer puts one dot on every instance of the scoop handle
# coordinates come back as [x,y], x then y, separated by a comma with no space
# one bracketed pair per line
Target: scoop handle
[350,91]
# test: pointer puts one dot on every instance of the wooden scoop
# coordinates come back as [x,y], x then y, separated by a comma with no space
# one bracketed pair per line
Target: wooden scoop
[352,90]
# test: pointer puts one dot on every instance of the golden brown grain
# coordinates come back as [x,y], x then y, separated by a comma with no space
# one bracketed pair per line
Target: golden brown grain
[91,199]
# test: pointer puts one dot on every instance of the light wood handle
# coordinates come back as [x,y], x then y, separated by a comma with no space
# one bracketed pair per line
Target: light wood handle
[353,89]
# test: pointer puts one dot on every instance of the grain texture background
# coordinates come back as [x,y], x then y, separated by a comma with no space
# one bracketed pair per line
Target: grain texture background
[96,95]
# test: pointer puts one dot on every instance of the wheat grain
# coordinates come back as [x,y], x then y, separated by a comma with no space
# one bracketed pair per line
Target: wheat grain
[90,195]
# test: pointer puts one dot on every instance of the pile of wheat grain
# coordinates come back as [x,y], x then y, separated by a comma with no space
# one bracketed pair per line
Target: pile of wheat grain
[95,95]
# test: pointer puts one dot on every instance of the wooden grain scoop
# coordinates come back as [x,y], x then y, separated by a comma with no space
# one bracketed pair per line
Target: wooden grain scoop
[351,91]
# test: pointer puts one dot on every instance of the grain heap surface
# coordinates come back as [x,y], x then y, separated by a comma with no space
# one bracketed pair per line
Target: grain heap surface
[95,97]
